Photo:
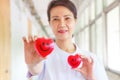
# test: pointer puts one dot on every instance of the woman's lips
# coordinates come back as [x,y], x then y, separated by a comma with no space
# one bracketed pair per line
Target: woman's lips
[62,31]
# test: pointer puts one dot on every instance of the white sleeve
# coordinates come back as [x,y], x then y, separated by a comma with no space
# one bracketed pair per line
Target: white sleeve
[99,70]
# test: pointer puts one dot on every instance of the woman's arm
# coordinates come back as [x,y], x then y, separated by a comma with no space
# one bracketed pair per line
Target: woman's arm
[32,59]
[35,69]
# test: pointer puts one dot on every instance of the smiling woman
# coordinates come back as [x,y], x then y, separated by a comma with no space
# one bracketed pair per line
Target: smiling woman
[62,16]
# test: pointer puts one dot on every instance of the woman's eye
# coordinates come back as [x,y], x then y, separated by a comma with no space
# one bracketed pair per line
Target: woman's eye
[67,18]
[55,19]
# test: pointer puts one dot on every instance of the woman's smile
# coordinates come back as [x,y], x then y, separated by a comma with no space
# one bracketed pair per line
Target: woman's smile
[62,31]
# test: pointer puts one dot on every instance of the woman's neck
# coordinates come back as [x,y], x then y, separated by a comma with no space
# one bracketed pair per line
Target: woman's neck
[66,45]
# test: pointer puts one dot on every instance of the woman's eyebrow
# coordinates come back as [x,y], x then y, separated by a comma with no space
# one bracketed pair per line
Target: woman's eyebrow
[63,16]
[54,17]
[68,16]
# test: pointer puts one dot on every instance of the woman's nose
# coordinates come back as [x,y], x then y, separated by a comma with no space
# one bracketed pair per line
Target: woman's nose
[62,23]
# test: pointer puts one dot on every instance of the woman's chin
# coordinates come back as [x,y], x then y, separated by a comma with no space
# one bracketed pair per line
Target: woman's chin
[63,38]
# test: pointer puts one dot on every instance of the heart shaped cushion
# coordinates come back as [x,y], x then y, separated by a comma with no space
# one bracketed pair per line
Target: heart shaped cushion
[75,61]
[44,46]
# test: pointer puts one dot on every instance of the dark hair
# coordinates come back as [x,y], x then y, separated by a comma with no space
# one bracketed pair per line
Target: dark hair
[66,3]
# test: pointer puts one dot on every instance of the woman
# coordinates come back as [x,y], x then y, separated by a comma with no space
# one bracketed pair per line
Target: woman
[62,16]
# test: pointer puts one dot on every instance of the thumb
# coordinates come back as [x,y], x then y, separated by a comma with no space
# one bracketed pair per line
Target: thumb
[77,69]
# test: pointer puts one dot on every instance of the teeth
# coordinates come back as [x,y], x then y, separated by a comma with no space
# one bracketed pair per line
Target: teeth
[62,31]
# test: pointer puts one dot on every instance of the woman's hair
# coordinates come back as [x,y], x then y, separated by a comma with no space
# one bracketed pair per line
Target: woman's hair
[66,3]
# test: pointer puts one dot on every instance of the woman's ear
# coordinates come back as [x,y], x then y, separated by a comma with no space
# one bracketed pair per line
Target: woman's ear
[75,20]
[49,23]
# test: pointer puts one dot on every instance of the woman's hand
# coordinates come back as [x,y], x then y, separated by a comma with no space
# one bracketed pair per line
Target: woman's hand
[87,68]
[31,56]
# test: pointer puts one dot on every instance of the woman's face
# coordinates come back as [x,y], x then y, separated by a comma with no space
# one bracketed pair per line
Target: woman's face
[62,22]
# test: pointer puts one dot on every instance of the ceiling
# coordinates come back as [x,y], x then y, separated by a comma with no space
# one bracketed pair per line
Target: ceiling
[38,8]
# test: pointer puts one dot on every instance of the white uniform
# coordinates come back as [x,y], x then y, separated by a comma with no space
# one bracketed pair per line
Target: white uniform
[56,67]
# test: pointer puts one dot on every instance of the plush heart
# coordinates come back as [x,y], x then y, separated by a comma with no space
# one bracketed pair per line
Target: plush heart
[75,61]
[44,46]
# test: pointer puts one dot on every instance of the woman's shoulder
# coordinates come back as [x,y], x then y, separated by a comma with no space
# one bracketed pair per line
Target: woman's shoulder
[85,52]
[82,51]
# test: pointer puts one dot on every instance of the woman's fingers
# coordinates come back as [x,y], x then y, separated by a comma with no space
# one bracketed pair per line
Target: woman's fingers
[24,40]
[92,61]
[84,58]
[35,37]
[30,39]
[87,58]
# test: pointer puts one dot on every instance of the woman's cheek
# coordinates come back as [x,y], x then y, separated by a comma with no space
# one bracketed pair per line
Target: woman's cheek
[71,24]
[71,27]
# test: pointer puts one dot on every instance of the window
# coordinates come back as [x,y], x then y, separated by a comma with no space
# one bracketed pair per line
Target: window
[113,39]
[99,6]
[92,39]
[100,38]
[108,2]
[104,31]
[82,20]
[84,39]
[92,11]
[86,16]
[81,40]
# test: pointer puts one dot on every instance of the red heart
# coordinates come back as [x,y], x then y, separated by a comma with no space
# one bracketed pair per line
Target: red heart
[44,46]
[74,61]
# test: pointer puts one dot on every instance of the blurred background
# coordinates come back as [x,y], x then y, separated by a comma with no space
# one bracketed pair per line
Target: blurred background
[97,30]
